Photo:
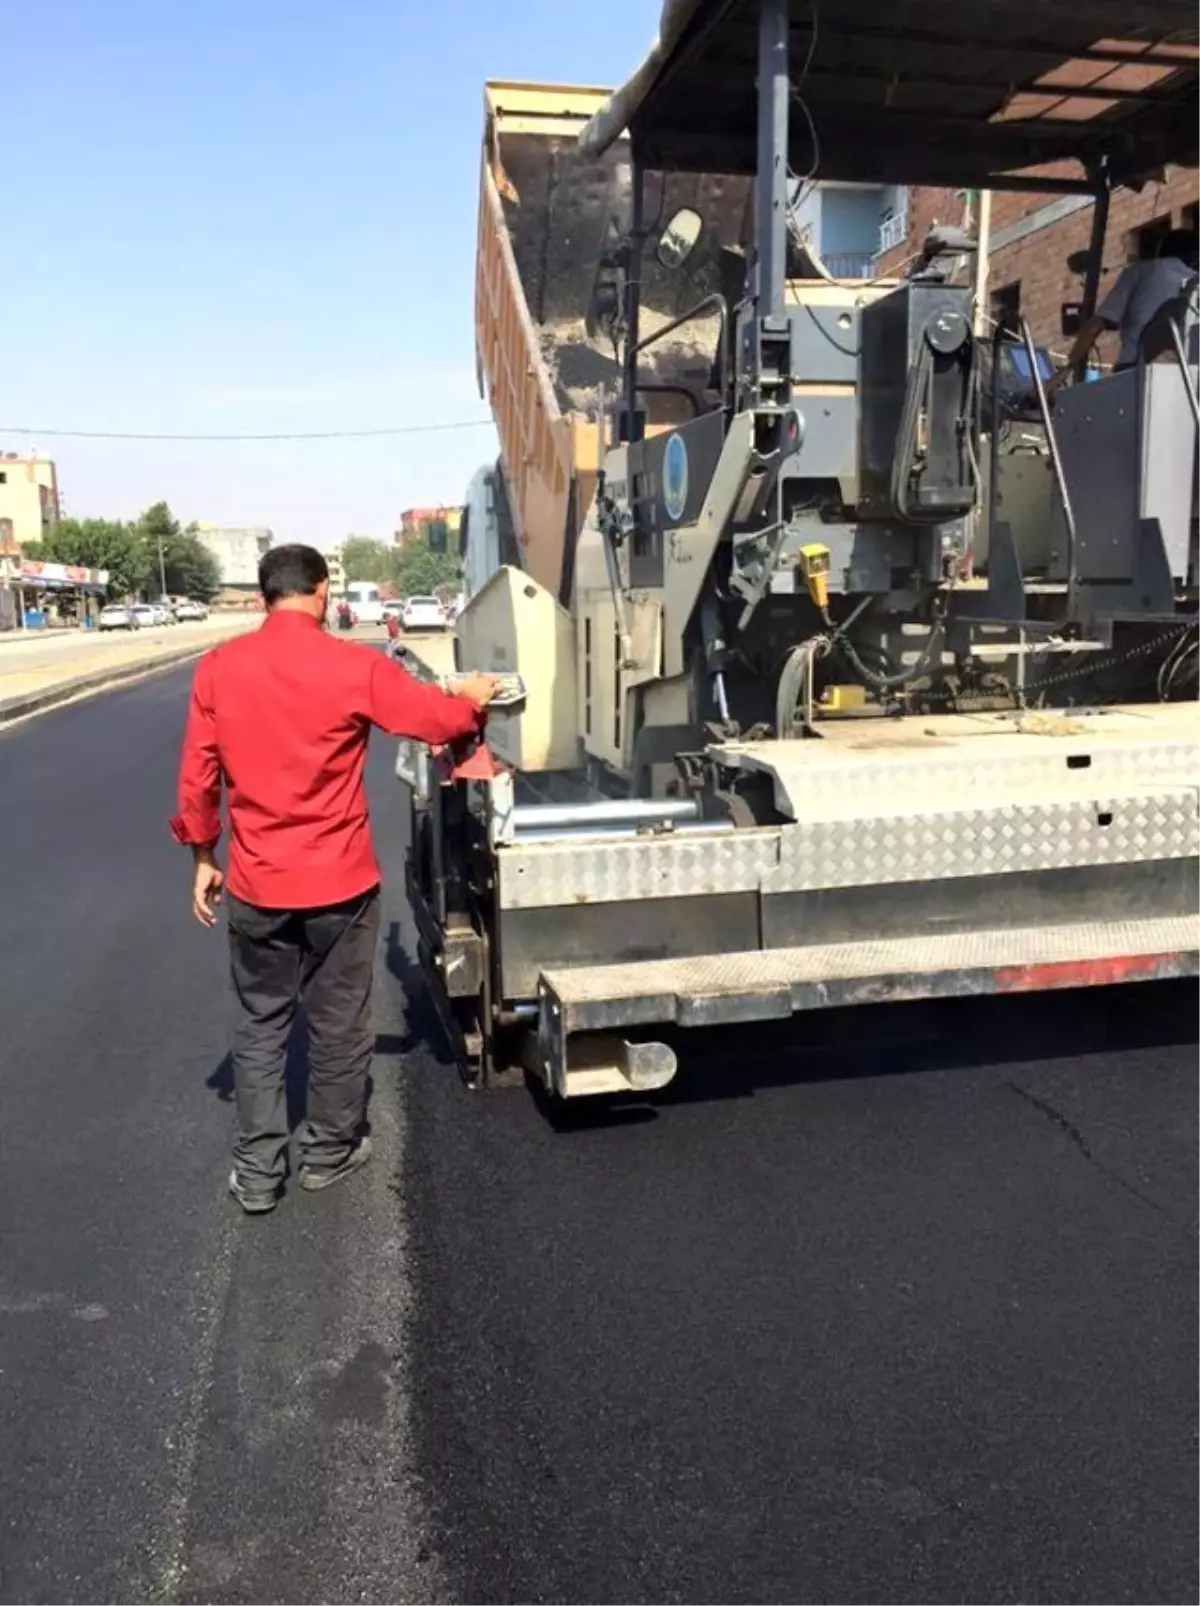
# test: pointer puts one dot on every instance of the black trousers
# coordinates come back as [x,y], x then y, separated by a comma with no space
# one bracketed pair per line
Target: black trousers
[324,958]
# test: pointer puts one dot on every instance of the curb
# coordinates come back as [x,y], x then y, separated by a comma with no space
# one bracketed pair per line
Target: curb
[36,702]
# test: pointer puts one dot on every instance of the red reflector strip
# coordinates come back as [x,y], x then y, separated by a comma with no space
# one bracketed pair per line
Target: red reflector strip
[1086,972]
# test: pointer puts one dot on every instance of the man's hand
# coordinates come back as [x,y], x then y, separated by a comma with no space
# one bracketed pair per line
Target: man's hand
[1058,380]
[207,880]
[477,689]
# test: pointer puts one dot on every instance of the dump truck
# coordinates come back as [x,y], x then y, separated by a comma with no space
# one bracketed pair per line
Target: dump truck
[843,666]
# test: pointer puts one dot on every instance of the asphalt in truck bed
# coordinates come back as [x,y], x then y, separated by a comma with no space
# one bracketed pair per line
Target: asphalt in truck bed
[886,1309]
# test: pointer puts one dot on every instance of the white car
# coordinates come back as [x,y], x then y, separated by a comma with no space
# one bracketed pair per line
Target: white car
[116,617]
[165,612]
[423,613]
[145,616]
[188,610]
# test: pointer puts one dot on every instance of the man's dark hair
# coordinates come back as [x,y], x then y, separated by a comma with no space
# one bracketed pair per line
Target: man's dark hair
[291,571]
[1180,243]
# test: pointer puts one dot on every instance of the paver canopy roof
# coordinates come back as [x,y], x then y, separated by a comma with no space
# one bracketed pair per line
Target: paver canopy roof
[950,92]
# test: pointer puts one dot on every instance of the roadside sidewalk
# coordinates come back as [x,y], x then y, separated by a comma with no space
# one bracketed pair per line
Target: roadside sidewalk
[39,671]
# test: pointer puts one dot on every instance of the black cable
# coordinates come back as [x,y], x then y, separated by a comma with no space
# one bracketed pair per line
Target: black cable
[282,435]
[902,677]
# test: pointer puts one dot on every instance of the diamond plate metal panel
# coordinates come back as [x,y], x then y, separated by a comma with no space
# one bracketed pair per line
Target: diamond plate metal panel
[543,875]
[864,851]
[980,841]
[975,758]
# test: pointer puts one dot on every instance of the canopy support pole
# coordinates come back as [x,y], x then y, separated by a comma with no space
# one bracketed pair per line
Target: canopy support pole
[771,196]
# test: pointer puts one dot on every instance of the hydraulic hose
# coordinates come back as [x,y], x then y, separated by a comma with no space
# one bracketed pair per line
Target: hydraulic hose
[918,393]
[902,677]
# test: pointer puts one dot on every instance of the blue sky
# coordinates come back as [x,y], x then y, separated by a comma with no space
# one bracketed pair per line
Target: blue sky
[252,215]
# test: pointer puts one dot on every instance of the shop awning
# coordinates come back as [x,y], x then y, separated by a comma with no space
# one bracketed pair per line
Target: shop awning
[37,576]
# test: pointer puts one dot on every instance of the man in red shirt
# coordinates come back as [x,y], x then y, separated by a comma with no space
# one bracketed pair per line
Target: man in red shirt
[282,716]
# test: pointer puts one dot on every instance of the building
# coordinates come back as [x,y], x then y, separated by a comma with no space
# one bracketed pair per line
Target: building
[436,526]
[238,550]
[29,506]
[337,570]
[1033,236]
[844,223]
[29,510]
[10,584]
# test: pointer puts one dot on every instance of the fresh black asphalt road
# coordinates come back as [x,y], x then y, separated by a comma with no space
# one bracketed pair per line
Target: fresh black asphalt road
[903,1310]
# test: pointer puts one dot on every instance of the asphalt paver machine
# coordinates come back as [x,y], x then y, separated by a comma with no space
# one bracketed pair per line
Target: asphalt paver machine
[820,692]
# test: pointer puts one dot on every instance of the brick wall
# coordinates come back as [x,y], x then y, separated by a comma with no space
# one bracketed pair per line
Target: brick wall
[1037,262]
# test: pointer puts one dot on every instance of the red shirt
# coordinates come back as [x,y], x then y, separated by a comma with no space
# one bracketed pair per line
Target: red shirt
[282,715]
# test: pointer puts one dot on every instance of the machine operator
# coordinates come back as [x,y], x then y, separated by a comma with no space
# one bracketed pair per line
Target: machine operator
[1141,291]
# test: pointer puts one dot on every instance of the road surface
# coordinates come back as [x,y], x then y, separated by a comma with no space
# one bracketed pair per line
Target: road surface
[896,1319]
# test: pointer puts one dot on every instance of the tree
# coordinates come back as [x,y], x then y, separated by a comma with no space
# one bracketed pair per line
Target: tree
[192,570]
[186,564]
[100,544]
[158,520]
[417,571]
[365,559]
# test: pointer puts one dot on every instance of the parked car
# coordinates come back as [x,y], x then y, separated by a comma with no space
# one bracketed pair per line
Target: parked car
[165,611]
[189,610]
[393,607]
[145,615]
[423,613]
[117,617]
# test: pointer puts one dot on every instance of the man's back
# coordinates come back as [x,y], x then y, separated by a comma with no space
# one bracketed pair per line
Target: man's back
[1140,291]
[283,716]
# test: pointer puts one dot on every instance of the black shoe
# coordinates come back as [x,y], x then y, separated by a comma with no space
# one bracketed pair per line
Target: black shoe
[254,1201]
[315,1177]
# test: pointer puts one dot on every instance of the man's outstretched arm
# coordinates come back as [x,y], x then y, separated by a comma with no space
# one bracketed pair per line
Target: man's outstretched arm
[403,706]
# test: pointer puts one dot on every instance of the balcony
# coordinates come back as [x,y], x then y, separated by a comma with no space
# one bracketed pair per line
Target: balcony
[893,231]
[851,264]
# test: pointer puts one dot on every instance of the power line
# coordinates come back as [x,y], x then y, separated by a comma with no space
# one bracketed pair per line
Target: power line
[280,435]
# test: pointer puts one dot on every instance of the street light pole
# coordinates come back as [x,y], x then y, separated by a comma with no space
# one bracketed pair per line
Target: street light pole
[162,569]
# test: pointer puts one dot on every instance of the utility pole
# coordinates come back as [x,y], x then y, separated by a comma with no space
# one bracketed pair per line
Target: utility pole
[162,570]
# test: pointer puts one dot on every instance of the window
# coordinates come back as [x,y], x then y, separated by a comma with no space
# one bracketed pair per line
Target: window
[1143,243]
[1005,306]
[893,218]
[893,231]
[3,478]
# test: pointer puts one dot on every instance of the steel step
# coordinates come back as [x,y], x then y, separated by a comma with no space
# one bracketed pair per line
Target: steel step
[771,985]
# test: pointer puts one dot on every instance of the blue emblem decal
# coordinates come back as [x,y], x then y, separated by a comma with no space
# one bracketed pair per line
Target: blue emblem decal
[675,478]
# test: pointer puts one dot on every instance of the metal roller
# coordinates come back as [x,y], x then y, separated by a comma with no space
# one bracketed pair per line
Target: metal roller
[625,833]
[602,812]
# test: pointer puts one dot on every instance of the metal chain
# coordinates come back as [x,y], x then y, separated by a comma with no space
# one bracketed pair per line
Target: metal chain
[1079,670]
[1111,660]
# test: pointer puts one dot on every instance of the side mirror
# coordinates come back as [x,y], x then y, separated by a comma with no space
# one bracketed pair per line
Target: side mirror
[1070,320]
[678,240]
[438,532]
